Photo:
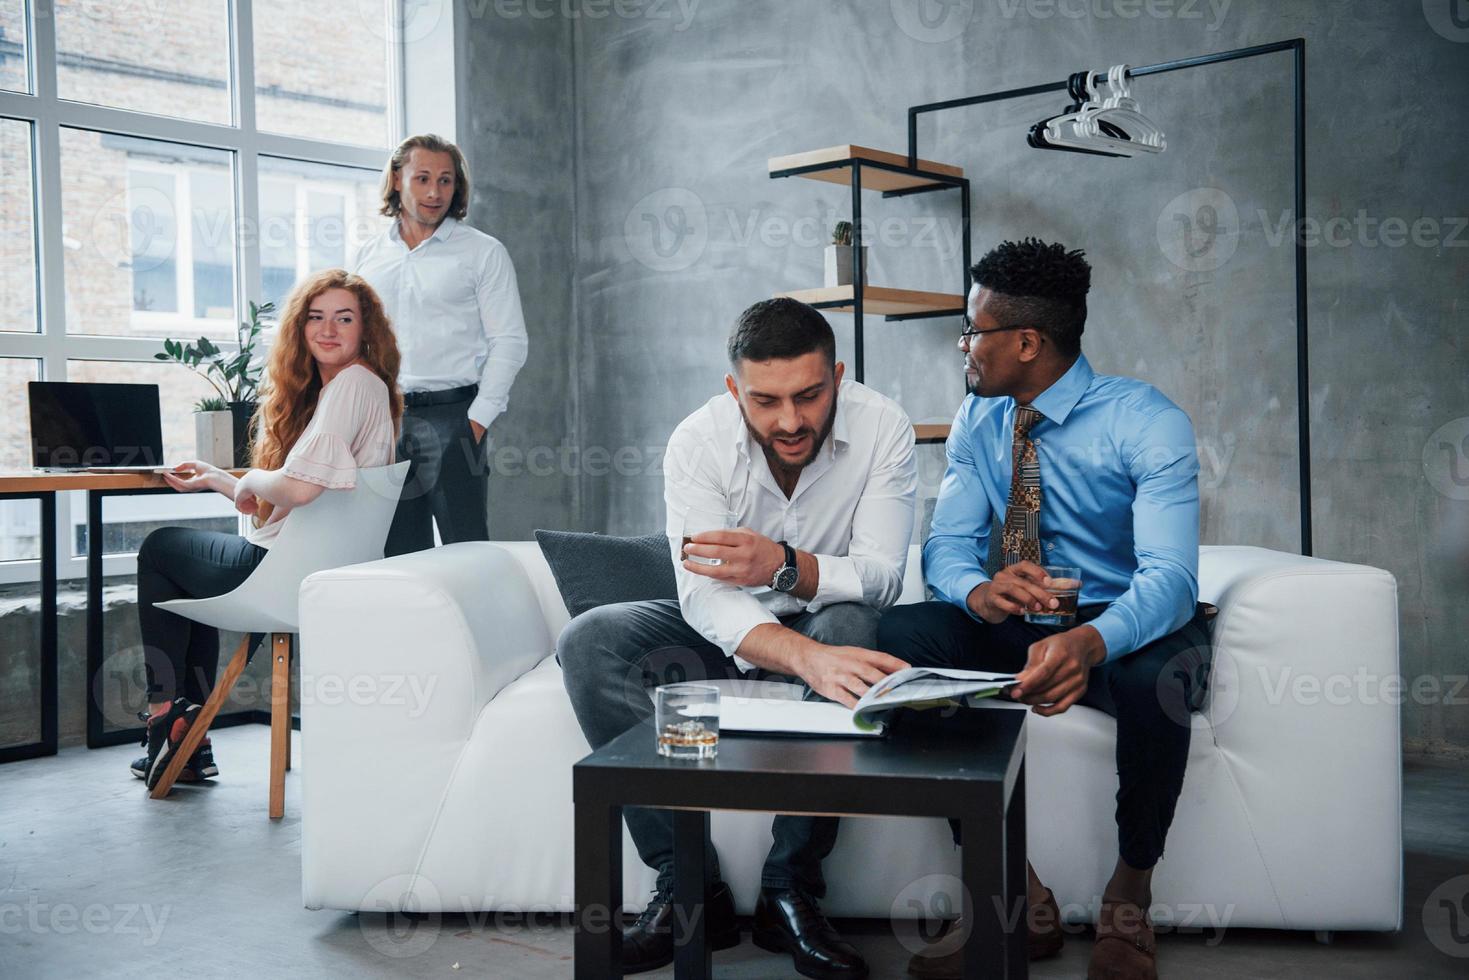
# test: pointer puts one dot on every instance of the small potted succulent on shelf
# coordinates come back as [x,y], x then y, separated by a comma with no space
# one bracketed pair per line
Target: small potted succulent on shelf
[839,257]
[234,375]
[214,432]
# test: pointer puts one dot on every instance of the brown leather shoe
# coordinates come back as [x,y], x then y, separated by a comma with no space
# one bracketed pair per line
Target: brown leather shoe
[1126,948]
[943,959]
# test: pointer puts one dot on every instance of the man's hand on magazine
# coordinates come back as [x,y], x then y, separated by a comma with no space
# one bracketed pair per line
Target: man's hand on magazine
[844,674]
[1056,670]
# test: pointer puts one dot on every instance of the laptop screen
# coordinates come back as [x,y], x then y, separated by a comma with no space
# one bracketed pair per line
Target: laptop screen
[75,425]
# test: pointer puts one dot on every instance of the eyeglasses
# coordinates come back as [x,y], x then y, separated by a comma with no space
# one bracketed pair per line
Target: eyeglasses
[970,330]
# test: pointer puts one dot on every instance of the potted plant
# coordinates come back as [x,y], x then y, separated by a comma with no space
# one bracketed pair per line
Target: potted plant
[233,374]
[214,432]
[839,257]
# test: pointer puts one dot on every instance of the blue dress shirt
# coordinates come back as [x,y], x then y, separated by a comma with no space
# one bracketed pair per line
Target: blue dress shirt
[1119,500]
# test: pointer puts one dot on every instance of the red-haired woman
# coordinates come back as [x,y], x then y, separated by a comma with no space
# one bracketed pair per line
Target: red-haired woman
[330,405]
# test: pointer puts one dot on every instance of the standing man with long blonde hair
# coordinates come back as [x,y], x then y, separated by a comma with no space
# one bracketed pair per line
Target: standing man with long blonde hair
[451,293]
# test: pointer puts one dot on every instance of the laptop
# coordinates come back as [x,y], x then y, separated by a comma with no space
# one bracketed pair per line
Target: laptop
[99,428]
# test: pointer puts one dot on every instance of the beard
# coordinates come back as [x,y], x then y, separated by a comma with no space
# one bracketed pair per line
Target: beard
[973,384]
[772,457]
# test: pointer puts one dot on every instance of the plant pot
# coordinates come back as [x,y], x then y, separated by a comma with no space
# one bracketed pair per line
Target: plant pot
[242,412]
[214,438]
[839,265]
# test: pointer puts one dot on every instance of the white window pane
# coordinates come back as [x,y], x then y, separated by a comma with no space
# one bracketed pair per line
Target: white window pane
[167,57]
[14,47]
[321,69]
[128,520]
[20,520]
[313,216]
[148,230]
[17,229]
[15,433]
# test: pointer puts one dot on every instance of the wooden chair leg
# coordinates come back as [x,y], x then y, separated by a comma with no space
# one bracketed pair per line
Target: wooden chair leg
[288,722]
[280,720]
[200,728]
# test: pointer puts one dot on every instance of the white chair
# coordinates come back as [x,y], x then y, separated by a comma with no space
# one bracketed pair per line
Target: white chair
[340,527]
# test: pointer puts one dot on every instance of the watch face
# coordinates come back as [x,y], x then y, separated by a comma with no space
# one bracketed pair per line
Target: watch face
[785,579]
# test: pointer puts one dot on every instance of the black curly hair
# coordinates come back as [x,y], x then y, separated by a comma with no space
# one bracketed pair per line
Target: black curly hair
[1038,284]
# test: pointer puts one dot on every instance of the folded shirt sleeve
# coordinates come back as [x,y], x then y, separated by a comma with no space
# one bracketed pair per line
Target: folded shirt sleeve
[322,458]
[348,406]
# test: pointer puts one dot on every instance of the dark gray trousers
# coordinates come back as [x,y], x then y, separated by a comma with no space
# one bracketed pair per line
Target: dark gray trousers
[610,657]
[448,480]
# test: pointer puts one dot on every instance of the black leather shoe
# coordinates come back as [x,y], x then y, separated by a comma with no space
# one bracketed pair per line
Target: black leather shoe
[787,920]
[647,944]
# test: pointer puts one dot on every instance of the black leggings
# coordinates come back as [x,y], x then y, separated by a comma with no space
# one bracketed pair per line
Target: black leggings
[181,656]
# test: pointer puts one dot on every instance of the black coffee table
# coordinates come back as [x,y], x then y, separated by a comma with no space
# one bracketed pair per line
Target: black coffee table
[970,765]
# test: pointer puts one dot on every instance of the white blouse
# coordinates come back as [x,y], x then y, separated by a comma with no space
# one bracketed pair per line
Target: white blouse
[352,427]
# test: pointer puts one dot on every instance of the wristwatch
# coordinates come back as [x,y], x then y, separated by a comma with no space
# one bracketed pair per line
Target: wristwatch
[787,574]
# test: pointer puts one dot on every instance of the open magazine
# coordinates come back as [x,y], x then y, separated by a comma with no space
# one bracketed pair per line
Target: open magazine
[913,686]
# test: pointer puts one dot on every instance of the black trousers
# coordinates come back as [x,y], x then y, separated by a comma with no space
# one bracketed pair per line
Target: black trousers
[448,479]
[180,655]
[612,654]
[1151,692]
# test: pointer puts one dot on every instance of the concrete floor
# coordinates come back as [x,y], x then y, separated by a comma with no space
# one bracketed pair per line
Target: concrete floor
[97,881]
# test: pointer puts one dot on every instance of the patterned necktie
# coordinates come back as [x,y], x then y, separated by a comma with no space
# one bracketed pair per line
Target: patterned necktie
[1021,536]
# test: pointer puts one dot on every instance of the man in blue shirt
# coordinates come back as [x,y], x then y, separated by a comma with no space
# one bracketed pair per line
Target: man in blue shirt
[1107,482]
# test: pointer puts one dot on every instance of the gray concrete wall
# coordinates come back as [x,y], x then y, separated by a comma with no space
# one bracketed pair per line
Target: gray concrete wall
[516,130]
[678,228]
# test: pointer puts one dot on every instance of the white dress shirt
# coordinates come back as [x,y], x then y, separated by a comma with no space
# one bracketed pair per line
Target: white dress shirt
[455,308]
[852,509]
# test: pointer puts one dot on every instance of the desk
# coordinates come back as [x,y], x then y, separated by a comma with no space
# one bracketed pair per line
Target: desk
[972,768]
[44,486]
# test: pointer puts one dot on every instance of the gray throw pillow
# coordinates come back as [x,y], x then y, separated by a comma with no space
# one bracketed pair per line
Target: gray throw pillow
[593,570]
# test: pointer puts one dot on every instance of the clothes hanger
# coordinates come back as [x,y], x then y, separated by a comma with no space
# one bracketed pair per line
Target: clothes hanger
[1055,133]
[1118,122]
[1074,131]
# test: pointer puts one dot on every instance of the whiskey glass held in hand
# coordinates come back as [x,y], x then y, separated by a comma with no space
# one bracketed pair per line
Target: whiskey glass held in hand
[1065,585]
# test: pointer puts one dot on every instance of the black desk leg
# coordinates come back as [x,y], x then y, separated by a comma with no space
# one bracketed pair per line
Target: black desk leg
[95,723]
[1016,890]
[691,958]
[598,852]
[983,863]
[50,658]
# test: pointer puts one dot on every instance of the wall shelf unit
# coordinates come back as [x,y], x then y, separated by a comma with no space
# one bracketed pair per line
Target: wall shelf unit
[894,175]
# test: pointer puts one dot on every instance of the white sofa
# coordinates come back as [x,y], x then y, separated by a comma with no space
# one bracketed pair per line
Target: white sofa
[437,746]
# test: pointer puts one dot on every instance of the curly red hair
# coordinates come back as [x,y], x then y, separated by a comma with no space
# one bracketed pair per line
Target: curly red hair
[292,382]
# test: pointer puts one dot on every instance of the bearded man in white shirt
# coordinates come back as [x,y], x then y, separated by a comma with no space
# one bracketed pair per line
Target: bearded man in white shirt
[817,476]
[451,293]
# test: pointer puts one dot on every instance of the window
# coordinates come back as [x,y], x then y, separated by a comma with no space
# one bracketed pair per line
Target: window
[167,57]
[323,75]
[149,233]
[20,520]
[172,212]
[17,228]
[312,217]
[15,62]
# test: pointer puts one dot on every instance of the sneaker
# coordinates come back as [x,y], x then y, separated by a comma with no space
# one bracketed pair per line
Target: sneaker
[166,733]
[199,768]
[201,763]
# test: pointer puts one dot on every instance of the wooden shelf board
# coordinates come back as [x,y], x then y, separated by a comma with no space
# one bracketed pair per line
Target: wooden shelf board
[930,433]
[838,170]
[881,300]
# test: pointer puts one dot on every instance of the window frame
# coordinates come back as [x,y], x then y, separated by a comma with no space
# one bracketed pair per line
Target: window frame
[47,115]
